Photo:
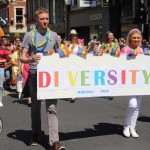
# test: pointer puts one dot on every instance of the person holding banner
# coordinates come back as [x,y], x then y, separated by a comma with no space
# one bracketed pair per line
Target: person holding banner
[74,42]
[61,45]
[40,40]
[4,57]
[134,39]
[110,43]
[107,46]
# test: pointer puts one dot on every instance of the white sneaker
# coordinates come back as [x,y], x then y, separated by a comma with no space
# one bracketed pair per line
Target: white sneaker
[1,104]
[126,132]
[73,100]
[133,133]
[19,95]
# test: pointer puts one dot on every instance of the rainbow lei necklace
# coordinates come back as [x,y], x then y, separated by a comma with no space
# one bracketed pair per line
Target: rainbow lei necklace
[107,48]
[40,47]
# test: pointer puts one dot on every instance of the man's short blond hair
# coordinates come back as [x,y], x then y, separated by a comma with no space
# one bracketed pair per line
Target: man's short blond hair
[39,11]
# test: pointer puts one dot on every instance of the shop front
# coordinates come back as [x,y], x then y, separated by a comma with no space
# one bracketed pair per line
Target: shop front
[90,23]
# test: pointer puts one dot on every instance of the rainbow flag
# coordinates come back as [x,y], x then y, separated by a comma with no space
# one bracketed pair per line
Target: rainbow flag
[115,53]
[81,52]
[63,52]
[132,52]
[146,51]
[1,32]
[97,53]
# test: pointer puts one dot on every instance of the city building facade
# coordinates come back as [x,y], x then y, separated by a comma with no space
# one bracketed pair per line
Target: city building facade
[107,15]
[56,14]
[91,18]
[13,12]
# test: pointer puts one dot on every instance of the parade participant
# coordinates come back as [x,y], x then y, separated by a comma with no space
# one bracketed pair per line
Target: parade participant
[4,56]
[18,74]
[5,41]
[109,43]
[8,69]
[73,41]
[97,46]
[25,69]
[41,40]
[61,45]
[90,46]
[72,45]
[133,42]
[16,69]
[16,41]
[122,43]
[144,44]
[107,47]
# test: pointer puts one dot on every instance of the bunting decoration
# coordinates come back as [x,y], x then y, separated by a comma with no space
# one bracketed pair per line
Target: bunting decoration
[81,52]
[1,32]
[97,53]
[146,51]
[115,53]
[132,53]
[63,52]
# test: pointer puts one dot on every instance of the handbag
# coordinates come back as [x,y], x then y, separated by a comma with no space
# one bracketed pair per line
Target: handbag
[13,78]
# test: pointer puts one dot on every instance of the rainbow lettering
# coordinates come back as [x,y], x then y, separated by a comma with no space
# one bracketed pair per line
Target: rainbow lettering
[78,78]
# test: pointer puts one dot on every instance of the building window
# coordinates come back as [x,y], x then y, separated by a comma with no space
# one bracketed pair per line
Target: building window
[19,18]
[59,11]
[75,2]
[19,15]
[127,8]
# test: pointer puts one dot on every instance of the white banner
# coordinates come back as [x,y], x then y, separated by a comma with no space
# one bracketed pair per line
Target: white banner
[93,76]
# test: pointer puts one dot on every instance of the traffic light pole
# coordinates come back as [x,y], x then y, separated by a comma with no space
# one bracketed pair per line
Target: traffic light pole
[142,27]
[142,18]
[67,25]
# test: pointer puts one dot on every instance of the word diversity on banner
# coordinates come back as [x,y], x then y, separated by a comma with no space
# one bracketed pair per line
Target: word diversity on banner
[92,76]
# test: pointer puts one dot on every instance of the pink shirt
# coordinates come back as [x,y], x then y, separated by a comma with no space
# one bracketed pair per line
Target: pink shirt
[25,72]
[126,50]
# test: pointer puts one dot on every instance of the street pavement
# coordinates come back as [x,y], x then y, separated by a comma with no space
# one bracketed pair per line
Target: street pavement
[87,124]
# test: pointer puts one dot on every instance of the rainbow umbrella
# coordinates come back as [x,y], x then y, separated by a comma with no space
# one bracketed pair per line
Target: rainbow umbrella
[1,32]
